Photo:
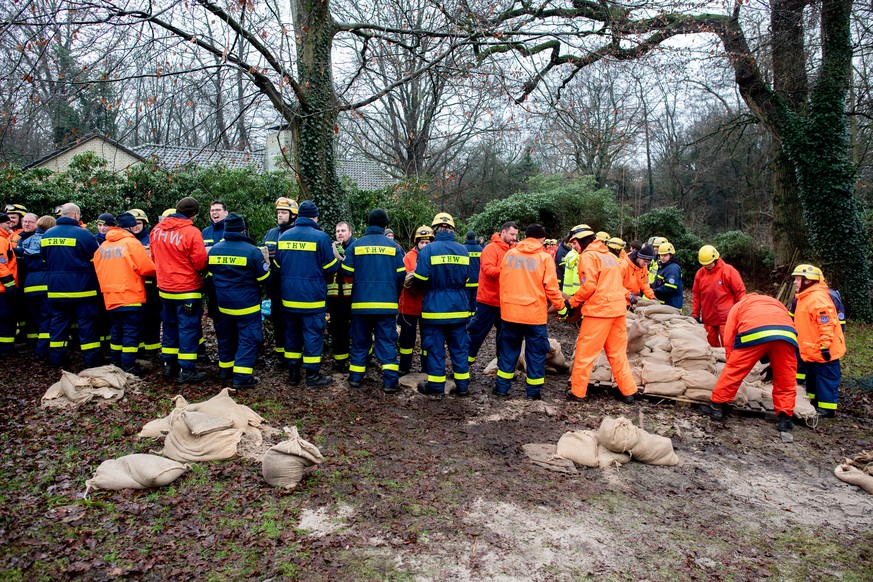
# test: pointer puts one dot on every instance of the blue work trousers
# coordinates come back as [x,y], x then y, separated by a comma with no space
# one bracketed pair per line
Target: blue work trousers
[183,330]
[41,315]
[823,383]
[486,317]
[536,347]
[435,339]
[8,323]
[239,337]
[304,338]
[126,328]
[85,314]
[365,330]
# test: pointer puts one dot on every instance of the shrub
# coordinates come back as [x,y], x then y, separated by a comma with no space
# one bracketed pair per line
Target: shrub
[407,204]
[669,222]
[753,260]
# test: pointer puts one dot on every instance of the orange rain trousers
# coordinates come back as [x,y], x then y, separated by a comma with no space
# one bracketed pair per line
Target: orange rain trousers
[741,361]
[714,335]
[610,334]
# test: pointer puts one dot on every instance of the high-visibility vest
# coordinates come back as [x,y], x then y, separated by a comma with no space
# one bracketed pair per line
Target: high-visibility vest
[571,282]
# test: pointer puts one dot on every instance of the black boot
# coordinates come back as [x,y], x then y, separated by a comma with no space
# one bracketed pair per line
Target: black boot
[171,370]
[190,376]
[294,375]
[784,424]
[712,410]
[316,379]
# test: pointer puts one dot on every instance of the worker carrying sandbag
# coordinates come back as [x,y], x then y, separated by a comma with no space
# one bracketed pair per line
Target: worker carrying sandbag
[758,326]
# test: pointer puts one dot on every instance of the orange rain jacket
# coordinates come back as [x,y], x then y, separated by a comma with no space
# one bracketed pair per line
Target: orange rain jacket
[489,271]
[715,292]
[529,271]
[179,254]
[410,299]
[121,263]
[602,292]
[818,325]
[635,279]
[755,320]
[8,262]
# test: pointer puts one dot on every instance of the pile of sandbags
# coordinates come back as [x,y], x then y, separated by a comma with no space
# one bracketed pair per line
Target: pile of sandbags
[555,361]
[138,471]
[106,383]
[857,471]
[616,442]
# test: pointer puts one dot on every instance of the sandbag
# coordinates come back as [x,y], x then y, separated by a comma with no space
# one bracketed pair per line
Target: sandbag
[854,476]
[699,395]
[201,424]
[580,447]
[803,408]
[653,372]
[607,458]
[658,342]
[705,365]
[654,450]
[545,455]
[601,374]
[637,330]
[659,357]
[662,317]
[699,379]
[491,368]
[675,388]
[138,471]
[285,463]
[224,406]
[719,355]
[684,349]
[182,445]
[619,435]
[658,308]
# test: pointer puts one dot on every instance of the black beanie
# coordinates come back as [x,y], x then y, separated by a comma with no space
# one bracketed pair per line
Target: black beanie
[307,209]
[535,231]
[188,206]
[233,222]
[106,219]
[647,252]
[471,235]
[378,217]
[125,220]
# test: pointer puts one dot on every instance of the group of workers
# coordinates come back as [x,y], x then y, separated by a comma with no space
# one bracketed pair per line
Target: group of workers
[152,283]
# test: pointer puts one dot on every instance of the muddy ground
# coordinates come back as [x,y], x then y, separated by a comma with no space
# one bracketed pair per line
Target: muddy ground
[430,488]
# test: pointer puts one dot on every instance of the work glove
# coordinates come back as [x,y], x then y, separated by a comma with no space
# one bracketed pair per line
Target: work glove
[699,319]
[633,299]
[9,285]
[826,354]
[563,312]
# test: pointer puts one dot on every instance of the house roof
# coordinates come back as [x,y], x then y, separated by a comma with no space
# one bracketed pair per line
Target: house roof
[367,174]
[78,142]
[169,157]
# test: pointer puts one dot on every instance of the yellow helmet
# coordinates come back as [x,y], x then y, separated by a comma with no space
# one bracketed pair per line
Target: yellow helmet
[443,218]
[615,243]
[602,235]
[283,203]
[15,209]
[423,231]
[168,212]
[707,255]
[657,241]
[580,234]
[666,249]
[578,228]
[139,215]
[808,272]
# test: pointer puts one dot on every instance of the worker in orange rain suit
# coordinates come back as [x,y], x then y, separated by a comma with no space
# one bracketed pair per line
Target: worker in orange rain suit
[717,287]
[758,326]
[527,273]
[121,264]
[820,337]
[602,300]
[635,273]
[8,287]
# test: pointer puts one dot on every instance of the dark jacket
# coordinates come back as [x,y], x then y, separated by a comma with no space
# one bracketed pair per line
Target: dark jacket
[376,265]
[67,250]
[443,266]
[305,260]
[238,270]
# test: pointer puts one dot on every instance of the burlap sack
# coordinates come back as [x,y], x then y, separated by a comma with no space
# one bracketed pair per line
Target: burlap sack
[654,450]
[719,355]
[854,476]
[742,398]
[699,379]
[181,444]
[659,357]
[580,447]
[137,471]
[159,427]
[705,365]
[66,388]
[698,395]
[676,388]
[619,435]
[649,310]
[637,331]
[607,458]
[202,424]
[108,376]
[653,372]
[662,317]
[658,342]
[555,358]
[601,374]
[224,406]
[685,349]
[803,408]
[491,368]
[545,455]
[285,463]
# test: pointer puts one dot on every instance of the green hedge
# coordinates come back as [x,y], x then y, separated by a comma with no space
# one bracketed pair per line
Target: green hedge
[408,206]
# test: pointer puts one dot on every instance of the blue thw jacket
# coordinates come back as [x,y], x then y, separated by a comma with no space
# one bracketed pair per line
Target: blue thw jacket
[475,251]
[305,259]
[67,250]
[376,265]
[271,239]
[238,269]
[668,284]
[443,265]
[213,233]
[36,282]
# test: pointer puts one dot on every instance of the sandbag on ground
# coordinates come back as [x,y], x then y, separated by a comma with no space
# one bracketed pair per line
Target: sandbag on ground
[285,464]
[619,435]
[654,450]
[675,388]
[653,372]
[699,379]
[580,447]
[854,476]
[106,383]
[183,445]
[607,458]
[138,471]
[637,331]
[544,455]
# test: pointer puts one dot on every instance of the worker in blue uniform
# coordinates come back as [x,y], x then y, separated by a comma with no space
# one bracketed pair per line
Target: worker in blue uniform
[474,250]
[668,282]
[286,213]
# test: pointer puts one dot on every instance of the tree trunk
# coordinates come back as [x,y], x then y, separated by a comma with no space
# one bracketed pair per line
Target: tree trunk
[789,228]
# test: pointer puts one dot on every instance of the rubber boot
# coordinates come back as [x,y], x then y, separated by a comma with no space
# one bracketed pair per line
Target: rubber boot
[171,370]
[712,410]
[294,374]
[316,379]
[784,424]
[191,376]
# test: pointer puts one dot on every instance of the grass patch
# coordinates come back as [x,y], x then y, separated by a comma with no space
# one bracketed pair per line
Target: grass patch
[858,361]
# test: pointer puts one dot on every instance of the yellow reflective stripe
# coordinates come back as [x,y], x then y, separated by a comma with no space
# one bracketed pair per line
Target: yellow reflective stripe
[297,245]
[810,395]
[449,260]
[293,355]
[303,304]
[208,241]
[332,286]
[375,250]
[225,364]
[242,370]
[394,367]
[36,288]
[44,336]
[228,260]
[536,381]
[311,359]
[373,305]
[340,356]
[7,340]
[417,276]
[436,378]
[32,336]
[243,311]
[472,285]
[279,350]
[471,359]
[155,346]
[130,350]
[506,375]
[348,268]
[329,265]
[170,351]
[671,286]
[828,405]
[462,375]
[800,376]
[201,341]
[359,369]
[475,255]
[180,296]
[264,276]
[405,351]
[71,294]
[90,346]
[401,269]
[768,333]
[187,356]
[447,315]
[57,344]
[57,242]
